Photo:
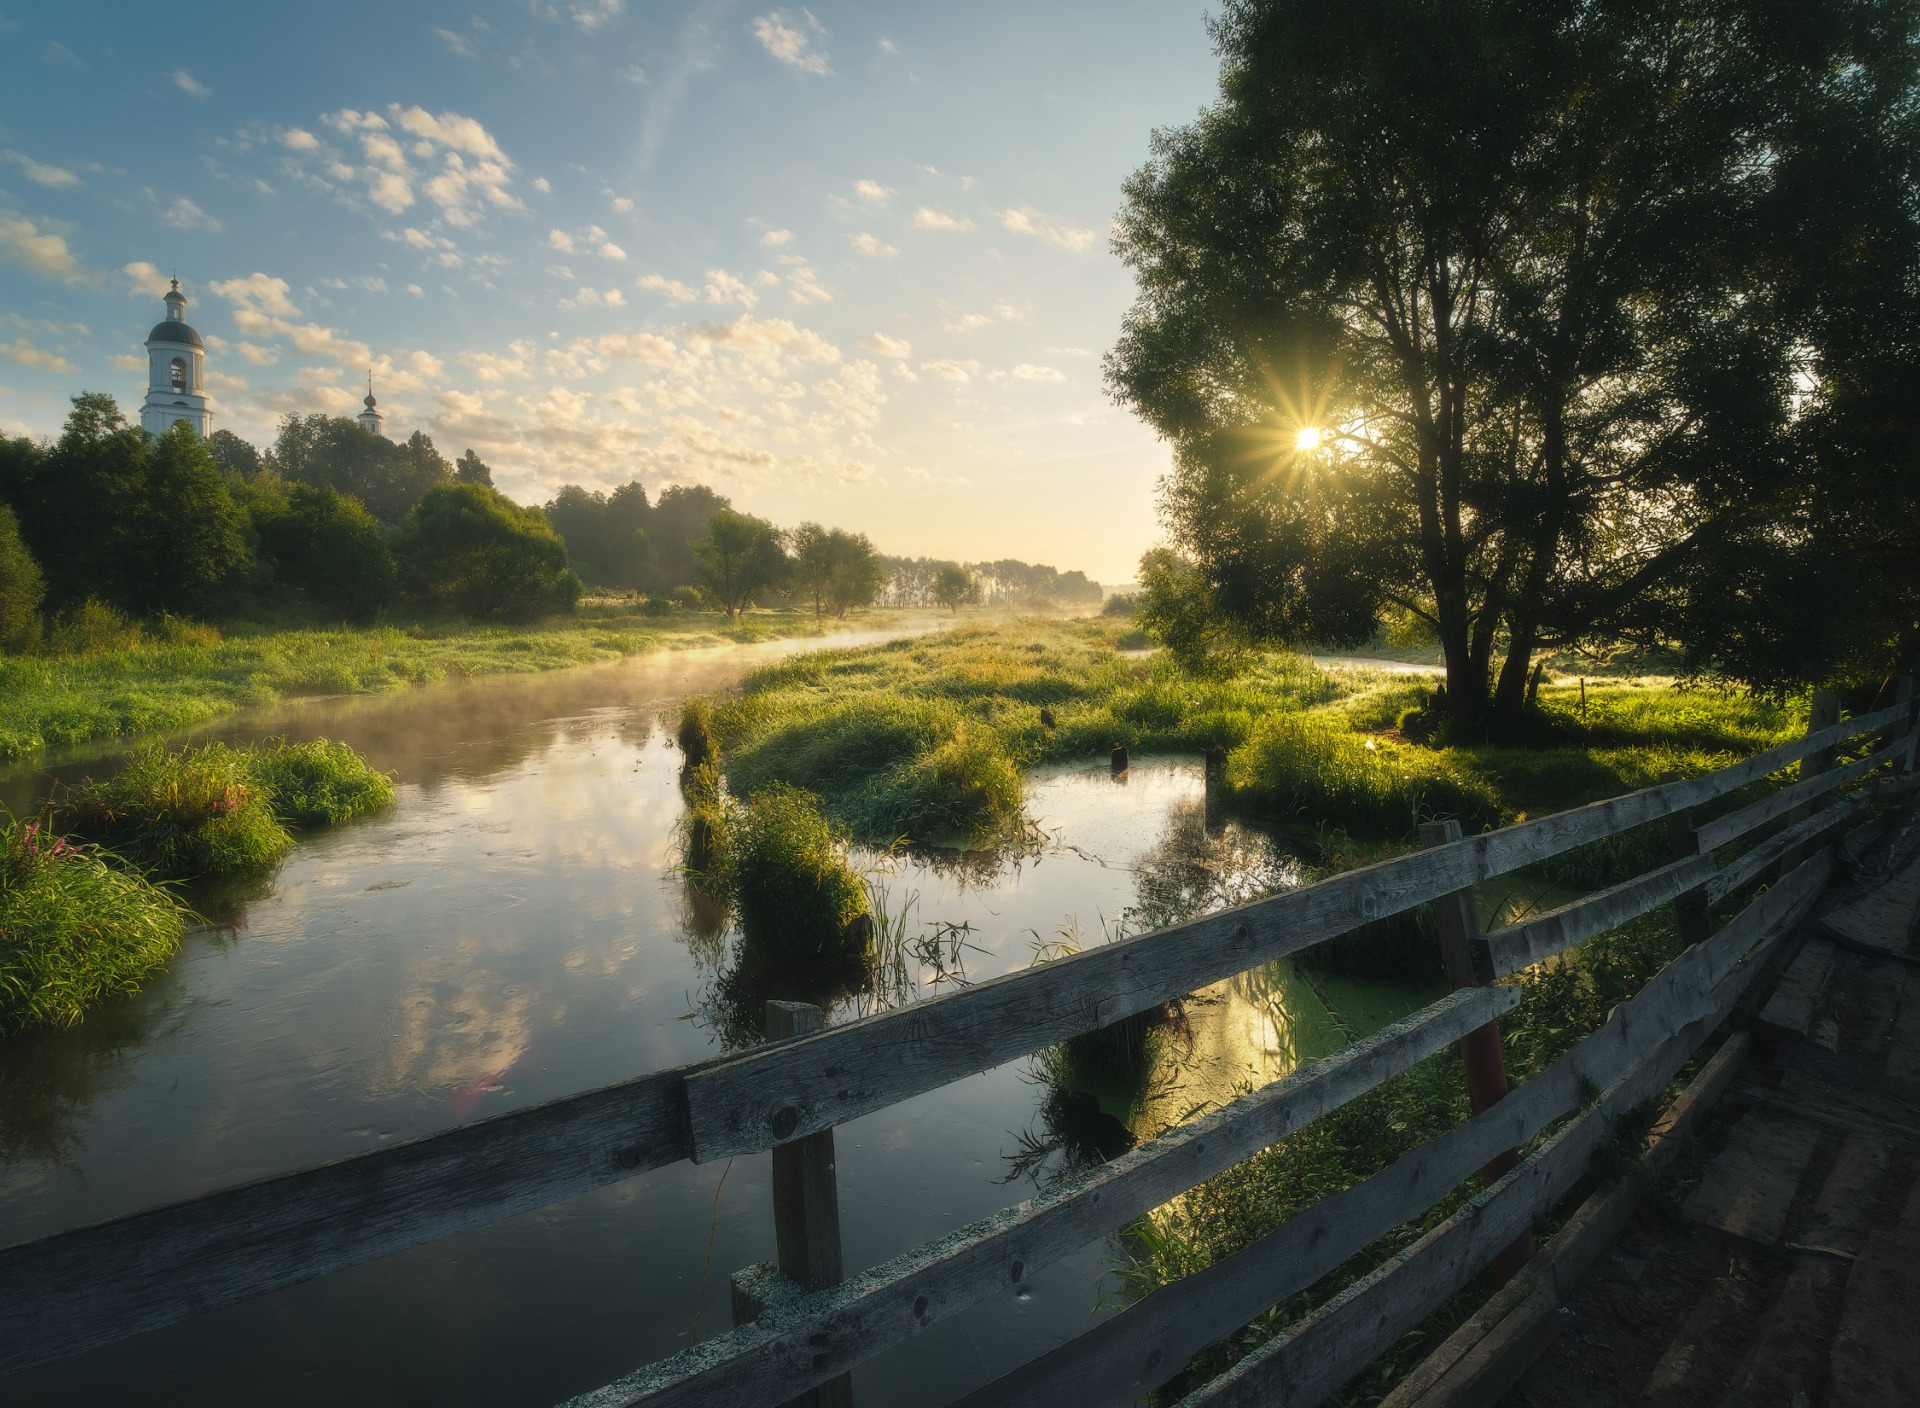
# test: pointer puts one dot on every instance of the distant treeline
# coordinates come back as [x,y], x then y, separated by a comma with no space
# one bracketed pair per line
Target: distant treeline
[917,581]
[333,521]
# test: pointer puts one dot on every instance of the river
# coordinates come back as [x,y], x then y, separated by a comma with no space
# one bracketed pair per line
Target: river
[514,929]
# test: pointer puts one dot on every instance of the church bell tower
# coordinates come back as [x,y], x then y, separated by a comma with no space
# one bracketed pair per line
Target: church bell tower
[176,372]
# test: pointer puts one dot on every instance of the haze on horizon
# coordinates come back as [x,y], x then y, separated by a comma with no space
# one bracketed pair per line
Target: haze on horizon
[846,262]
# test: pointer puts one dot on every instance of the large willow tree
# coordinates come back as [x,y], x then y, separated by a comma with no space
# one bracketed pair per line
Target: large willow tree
[1472,311]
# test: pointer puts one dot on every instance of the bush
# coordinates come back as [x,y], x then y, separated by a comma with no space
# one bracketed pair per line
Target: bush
[318,783]
[93,628]
[1120,604]
[328,547]
[470,549]
[21,587]
[73,928]
[789,879]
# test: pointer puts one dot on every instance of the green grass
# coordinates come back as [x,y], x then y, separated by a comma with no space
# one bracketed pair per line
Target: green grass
[217,809]
[74,928]
[147,682]
[929,737]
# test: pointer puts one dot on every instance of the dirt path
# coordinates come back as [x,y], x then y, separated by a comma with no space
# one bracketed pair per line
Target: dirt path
[1783,1265]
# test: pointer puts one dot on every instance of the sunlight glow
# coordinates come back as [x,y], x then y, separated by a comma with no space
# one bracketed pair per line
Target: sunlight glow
[1307,439]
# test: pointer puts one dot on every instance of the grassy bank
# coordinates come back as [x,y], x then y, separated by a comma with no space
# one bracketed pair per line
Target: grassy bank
[141,683]
[929,737]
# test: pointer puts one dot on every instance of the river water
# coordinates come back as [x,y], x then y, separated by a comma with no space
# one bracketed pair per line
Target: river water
[514,929]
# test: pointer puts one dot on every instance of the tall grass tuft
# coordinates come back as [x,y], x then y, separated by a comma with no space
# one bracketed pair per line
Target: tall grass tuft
[213,810]
[319,783]
[198,812]
[73,928]
[790,881]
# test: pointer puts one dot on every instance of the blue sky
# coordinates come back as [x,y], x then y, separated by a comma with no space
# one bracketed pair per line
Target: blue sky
[846,262]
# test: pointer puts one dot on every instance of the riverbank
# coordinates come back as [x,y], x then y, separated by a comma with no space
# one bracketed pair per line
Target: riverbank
[149,685]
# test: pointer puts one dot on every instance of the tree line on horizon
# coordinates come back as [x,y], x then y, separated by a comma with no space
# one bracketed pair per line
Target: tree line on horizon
[335,522]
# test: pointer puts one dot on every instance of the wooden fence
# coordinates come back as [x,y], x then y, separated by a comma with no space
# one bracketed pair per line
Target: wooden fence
[63,1294]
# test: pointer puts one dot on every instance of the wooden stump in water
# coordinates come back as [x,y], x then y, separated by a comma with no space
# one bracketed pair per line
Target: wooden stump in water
[1119,758]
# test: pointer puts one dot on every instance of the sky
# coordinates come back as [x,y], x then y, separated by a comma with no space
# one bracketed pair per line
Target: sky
[847,263]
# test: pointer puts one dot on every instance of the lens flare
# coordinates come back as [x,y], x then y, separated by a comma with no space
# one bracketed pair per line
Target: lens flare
[1307,439]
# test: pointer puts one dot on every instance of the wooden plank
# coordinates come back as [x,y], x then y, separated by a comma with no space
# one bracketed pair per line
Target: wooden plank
[1302,1367]
[93,1285]
[1790,1009]
[737,1106]
[783,1354]
[1746,867]
[1526,943]
[1721,830]
[1486,1356]
[1747,1188]
[1883,917]
[1875,1359]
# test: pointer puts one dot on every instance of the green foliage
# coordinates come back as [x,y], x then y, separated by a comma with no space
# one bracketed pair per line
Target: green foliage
[470,549]
[1120,604]
[143,524]
[234,457]
[789,879]
[1181,607]
[742,559]
[73,928]
[319,783]
[92,628]
[329,548]
[21,587]
[837,569]
[955,587]
[471,469]
[198,812]
[337,453]
[606,534]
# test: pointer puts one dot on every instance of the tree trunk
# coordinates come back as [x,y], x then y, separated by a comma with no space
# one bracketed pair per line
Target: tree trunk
[1510,695]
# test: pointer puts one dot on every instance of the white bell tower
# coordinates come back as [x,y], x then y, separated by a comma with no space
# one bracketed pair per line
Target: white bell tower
[370,419]
[176,372]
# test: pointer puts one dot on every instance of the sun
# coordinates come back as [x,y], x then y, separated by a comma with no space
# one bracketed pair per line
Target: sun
[1307,439]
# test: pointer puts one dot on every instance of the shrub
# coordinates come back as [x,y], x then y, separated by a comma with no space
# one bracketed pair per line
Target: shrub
[73,928]
[1120,604]
[21,587]
[470,549]
[330,548]
[93,628]
[319,783]
[789,879]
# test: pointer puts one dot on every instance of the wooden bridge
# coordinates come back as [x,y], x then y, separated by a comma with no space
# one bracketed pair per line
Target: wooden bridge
[799,1328]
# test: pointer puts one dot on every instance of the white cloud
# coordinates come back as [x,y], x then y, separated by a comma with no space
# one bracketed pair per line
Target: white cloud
[773,239]
[183,214]
[926,218]
[792,41]
[56,177]
[587,15]
[890,346]
[1053,230]
[595,298]
[298,139]
[28,355]
[185,82]
[723,287]
[950,371]
[560,240]
[887,46]
[543,185]
[633,74]
[1026,371]
[610,250]
[26,244]
[458,43]
[473,171]
[968,322]
[144,280]
[872,192]
[258,355]
[873,248]
[416,290]
[674,290]
[622,204]
[804,288]
[259,292]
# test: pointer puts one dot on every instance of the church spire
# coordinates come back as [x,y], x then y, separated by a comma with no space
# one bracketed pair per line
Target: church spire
[371,419]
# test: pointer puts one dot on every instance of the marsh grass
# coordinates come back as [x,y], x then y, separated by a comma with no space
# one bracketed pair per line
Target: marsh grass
[110,677]
[217,809]
[74,928]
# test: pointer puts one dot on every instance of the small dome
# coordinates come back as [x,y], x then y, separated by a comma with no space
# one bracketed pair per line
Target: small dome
[174,331]
[369,401]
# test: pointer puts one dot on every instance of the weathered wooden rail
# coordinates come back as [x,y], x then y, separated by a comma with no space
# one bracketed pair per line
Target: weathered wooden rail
[65,1293]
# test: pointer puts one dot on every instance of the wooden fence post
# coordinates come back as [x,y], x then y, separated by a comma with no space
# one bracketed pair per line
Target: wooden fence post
[1690,909]
[1457,917]
[1825,714]
[806,1203]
